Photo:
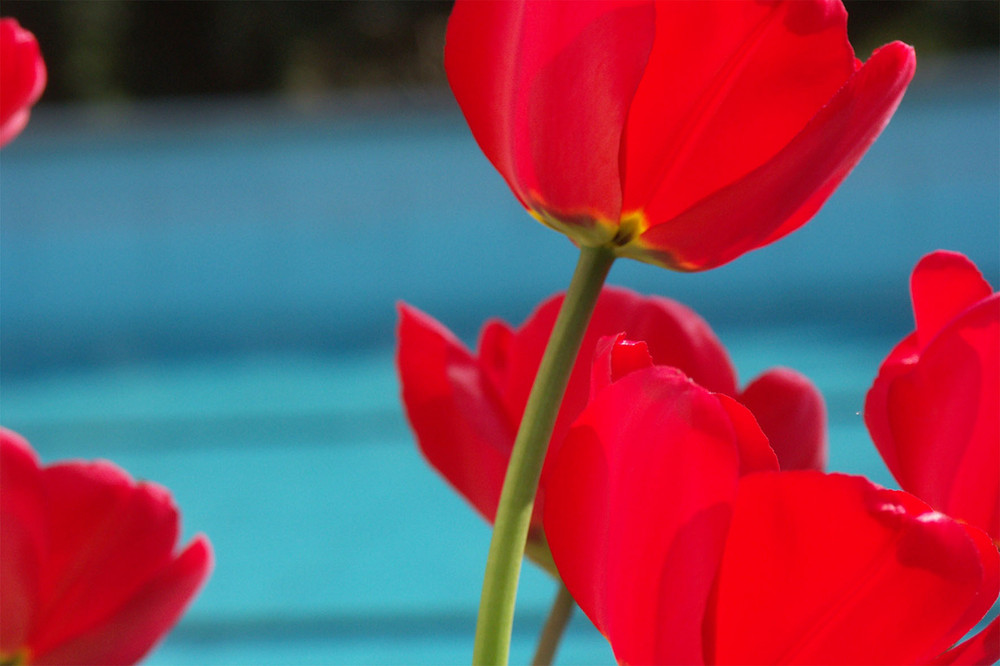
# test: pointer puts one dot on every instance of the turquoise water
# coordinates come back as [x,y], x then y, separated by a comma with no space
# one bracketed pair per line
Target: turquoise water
[205,295]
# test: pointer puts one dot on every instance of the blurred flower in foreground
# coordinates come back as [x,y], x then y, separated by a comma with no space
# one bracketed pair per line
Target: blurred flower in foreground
[934,409]
[22,77]
[465,409]
[681,550]
[679,133]
[87,561]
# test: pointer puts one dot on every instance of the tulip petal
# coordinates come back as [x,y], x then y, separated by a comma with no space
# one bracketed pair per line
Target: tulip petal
[637,505]
[674,334]
[727,86]
[935,420]
[546,87]
[615,357]
[982,649]
[24,77]
[990,587]
[144,618]
[756,454]
[494,351]
[459,420]
[942,285]
[791,412]
[781,195]
[109,535]
[87,552]
[23,540]
[835,570]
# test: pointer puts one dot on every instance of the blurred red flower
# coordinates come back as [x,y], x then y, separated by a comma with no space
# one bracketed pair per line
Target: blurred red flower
[934,408]
[22,77]
[465,409]
[682,548]
[680,133]
[87,561]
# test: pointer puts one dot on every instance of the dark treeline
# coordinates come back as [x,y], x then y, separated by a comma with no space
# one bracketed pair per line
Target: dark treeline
[119,49]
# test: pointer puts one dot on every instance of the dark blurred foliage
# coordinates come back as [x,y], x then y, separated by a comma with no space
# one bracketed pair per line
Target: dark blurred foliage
[125,49]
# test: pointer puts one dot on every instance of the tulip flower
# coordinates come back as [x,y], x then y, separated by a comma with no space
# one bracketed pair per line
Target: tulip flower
[683,134]
[934,408]
[465,409]
[22,77]
[87,559]
[680,556]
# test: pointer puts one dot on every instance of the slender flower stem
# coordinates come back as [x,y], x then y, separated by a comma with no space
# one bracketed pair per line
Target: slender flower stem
[555,625]
[510,531]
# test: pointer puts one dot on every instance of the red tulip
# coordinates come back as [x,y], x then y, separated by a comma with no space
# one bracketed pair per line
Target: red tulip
[465,408]
[679,133]
[677,557]
[22,77]
[934,409]
[645,549]
[87,560]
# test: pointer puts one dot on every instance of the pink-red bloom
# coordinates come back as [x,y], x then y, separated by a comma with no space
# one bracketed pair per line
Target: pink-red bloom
[87,561]
[684,546]
[679,133]
[934,409]
[465,409]
[22,77]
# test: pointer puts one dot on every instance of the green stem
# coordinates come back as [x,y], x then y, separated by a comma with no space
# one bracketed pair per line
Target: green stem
[510,531]
[555,625]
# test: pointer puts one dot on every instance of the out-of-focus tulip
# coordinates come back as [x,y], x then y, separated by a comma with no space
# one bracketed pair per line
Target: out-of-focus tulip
[792,413]
[934,408]
[22,77]
[465,408]
[87,560]
[679,133]
[679,558]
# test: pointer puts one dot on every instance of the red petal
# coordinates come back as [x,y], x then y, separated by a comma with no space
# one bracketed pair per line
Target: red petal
[728,85]
[990,587]
[876,411]
[942,285]
[637,504]
[782,194]
[23,540]
[674,334]
[109,536]
[834,570]
[546,88]
[756,454]
[791,412]
[494,351]
[934,418]
[145,618]
[615,357]
[980,650]
[23,74]
[459,421]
